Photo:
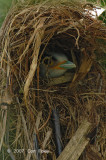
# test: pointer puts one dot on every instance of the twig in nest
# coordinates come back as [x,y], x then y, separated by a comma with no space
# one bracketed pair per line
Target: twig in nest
[57,131]
[33,67]
[77,144]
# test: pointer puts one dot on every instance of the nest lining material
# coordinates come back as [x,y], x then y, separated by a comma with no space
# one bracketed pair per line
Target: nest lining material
[26,34]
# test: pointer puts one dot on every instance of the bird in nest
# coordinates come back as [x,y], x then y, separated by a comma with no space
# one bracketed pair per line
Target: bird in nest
[55,65]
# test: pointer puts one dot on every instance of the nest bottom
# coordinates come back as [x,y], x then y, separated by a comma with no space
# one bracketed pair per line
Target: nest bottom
[86,100]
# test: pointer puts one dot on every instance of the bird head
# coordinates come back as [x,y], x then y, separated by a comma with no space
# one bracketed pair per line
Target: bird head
[55,64]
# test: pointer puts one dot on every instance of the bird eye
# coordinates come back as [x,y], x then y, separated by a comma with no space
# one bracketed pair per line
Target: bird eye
[47,61]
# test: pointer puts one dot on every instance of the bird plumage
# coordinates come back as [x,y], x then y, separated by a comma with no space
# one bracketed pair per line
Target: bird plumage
[55,65]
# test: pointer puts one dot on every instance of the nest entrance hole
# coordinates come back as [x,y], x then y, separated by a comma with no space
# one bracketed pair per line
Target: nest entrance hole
[62,43]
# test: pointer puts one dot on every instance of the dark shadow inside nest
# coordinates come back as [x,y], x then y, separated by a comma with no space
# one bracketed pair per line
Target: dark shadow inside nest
[65,44]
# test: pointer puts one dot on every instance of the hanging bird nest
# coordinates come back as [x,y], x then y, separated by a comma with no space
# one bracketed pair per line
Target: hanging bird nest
[26,34]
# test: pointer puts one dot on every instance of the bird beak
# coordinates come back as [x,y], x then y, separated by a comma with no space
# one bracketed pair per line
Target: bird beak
[67,65]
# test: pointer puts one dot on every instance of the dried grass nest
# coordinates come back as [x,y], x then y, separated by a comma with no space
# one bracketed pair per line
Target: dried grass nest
[29,31]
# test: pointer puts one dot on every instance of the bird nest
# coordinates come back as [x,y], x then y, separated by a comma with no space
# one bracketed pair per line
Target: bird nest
[27,100]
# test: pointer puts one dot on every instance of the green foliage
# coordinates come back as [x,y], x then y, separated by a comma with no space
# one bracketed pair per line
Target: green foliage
[103,17]
[103,2]
[4,7]
[101,59]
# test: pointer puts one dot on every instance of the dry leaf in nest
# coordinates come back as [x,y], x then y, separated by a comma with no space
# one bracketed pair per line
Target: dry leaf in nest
[84,68]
